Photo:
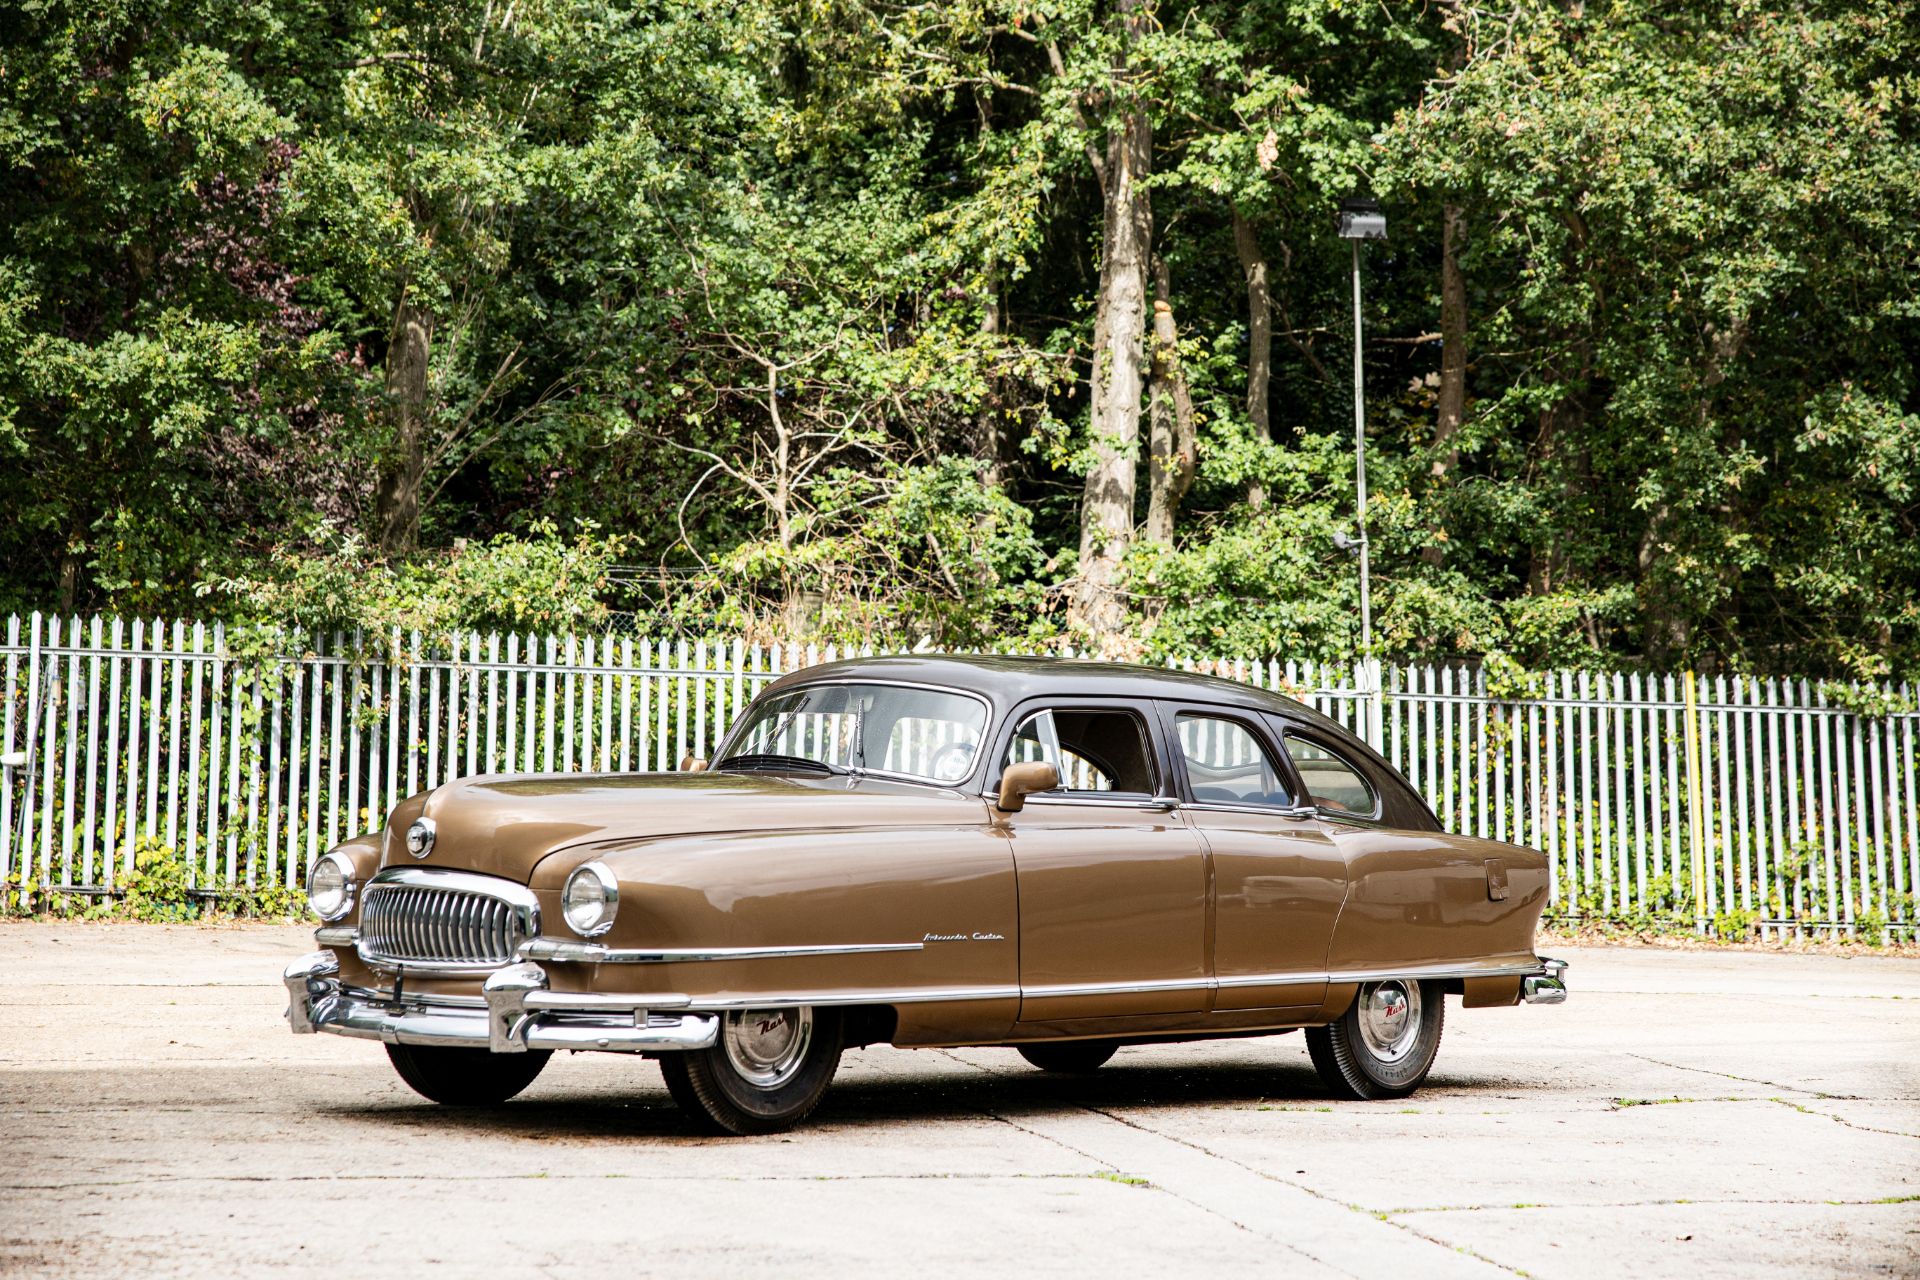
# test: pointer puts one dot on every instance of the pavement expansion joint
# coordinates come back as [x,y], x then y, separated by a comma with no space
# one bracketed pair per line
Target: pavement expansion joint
[1728,1075]
[1842,1120]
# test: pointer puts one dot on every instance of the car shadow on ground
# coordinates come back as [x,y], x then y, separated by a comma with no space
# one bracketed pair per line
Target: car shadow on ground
[640,1107]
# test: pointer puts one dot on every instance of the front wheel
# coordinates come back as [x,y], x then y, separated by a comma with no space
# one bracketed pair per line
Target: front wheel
[1384,1045]
[465,1077]
[766,1074]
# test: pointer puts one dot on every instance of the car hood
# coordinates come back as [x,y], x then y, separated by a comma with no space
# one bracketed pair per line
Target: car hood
[506,824]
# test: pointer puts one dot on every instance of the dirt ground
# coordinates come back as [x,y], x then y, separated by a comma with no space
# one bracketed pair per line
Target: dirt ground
[1697,1113]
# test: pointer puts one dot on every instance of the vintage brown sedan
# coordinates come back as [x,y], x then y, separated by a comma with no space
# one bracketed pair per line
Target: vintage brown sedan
[1056,856]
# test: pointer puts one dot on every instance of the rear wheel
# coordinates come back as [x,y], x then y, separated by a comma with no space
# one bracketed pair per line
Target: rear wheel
[1384,1045]
[465,1077]
[1070,1057]
[766,1074]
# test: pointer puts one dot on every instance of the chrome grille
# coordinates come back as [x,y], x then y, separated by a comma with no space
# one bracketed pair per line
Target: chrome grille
[413,921]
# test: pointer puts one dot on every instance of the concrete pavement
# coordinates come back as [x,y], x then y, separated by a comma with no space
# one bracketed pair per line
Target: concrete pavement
[1685,1113]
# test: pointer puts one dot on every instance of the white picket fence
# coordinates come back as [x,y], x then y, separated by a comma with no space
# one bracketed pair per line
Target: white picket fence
[1672,798]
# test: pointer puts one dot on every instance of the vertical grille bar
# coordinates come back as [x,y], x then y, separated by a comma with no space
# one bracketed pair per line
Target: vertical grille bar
[419,923]
[469,936]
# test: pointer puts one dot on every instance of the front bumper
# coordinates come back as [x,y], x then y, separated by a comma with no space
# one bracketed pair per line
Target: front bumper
[517,1013]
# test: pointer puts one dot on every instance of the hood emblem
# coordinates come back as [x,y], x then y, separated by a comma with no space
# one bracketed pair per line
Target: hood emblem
[420,837]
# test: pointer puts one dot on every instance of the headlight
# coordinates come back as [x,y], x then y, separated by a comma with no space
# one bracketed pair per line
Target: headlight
[591,897]
[330,887]
[420,837]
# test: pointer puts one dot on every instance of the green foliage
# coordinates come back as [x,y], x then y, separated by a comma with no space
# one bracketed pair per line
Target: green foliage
[159,888]
[787,308]
[542,583]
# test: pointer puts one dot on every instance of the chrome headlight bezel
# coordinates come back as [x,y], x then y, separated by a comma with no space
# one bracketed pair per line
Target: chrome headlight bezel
[598,890]
[326,899]
[420,837]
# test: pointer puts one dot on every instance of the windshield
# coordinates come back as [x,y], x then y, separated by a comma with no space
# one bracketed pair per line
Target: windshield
[867,728]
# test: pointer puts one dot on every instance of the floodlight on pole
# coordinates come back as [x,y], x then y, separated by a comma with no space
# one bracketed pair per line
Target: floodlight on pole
[1361,219]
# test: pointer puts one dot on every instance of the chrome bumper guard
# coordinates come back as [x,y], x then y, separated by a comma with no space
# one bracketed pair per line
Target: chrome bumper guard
[518,1013]
[1548,987]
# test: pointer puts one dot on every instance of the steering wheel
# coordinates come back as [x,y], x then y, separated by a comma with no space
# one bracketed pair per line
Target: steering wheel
[963,751]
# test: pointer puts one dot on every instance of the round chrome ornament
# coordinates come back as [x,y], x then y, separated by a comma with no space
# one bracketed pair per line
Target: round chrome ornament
[1390,1018]
[420,837]
[767,1046]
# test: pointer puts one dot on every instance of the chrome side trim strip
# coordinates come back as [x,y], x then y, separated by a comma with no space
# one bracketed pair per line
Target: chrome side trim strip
[929,995]
[1473,969]
[1054,989]
[594,953]
[1267,980]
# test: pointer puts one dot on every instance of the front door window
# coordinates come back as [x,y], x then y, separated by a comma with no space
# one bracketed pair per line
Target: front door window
[1095,750]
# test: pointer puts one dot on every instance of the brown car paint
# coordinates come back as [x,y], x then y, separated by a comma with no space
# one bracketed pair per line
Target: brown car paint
[1180,911]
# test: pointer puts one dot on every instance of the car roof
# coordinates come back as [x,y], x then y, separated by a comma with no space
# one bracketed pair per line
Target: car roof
[1007,679]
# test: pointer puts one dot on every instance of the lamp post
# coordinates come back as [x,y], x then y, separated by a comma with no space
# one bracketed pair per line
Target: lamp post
[1361,219]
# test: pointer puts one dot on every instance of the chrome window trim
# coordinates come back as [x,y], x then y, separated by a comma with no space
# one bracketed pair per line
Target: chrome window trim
[1104,799]
[1295,812]
[956,784]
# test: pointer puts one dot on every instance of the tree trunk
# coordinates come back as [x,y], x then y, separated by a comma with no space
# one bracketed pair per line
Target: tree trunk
[1452,408]
[1106,511]
[1253,264]
[1170,447]
[397,500]
[989,445]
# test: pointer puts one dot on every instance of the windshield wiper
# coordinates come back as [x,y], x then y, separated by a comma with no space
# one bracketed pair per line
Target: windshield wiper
[768,762]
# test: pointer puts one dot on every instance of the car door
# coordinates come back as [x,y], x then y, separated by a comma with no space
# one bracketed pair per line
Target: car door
[1278,877]
[1112,882]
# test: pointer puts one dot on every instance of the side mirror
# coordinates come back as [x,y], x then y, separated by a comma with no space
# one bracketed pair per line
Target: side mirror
[1023,780]
[693,764]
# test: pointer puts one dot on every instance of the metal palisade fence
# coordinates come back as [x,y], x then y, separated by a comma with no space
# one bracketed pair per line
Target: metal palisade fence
[1715,802]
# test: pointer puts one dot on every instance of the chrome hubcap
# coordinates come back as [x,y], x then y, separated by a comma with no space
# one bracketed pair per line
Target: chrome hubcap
[1390,1018]
[766,1046]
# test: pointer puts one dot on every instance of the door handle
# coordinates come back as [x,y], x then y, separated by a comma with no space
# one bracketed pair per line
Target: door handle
[1162,804]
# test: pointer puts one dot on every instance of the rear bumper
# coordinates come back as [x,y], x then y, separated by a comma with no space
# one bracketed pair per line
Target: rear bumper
[1548,986]
[516,1013]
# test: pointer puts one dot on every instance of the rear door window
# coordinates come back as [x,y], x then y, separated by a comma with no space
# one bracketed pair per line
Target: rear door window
[1227,763]
[1331,781]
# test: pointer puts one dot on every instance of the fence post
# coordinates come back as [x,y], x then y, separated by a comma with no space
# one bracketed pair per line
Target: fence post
[1366,679]
[1696,837]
